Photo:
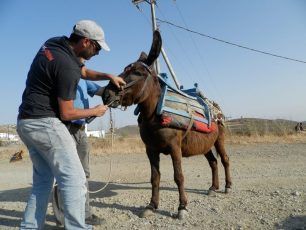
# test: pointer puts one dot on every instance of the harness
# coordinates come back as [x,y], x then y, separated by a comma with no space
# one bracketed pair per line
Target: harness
[130,84]
[179,109]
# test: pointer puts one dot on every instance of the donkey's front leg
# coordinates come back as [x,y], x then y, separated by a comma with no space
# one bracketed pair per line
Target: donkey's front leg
[155,181]
[179,180]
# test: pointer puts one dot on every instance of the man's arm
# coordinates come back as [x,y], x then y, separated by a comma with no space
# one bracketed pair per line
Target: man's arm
[68,112]
[94,89]
[93,75]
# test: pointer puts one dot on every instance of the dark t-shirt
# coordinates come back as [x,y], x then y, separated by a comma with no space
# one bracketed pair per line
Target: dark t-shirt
[55,72]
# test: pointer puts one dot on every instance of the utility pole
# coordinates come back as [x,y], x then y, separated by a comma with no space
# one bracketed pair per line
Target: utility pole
[154,27]
[111,127]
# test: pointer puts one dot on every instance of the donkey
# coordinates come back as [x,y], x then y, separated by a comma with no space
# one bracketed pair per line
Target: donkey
[143,88]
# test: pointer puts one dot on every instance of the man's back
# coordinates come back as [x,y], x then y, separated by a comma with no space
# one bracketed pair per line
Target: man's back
[47,79]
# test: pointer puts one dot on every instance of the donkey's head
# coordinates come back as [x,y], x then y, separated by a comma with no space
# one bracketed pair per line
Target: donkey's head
[137,76]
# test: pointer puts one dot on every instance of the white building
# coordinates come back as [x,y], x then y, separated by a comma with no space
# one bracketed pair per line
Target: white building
[9,137]
[98,133]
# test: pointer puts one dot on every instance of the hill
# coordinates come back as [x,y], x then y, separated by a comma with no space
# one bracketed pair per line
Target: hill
[129,130]
[257,126]
[241,126]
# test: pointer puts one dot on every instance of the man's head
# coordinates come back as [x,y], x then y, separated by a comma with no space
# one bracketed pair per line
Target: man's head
[89,39]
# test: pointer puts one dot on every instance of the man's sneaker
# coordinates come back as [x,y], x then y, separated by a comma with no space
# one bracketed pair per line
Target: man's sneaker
[94,220]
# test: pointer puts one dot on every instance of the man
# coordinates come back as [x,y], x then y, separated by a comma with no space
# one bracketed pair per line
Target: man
[47,101]
[77,130]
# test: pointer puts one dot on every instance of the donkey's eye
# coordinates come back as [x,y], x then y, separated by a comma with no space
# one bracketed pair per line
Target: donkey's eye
[138,73]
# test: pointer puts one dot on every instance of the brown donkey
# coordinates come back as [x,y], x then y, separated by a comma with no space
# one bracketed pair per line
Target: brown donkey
[143,88]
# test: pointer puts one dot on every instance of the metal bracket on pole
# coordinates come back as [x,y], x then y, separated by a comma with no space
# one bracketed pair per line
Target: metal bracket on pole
[154,26]
[170,68]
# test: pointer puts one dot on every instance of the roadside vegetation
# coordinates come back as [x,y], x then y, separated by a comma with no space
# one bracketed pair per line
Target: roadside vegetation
[246,131]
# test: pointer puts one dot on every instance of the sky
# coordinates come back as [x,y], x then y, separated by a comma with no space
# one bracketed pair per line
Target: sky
[242,82]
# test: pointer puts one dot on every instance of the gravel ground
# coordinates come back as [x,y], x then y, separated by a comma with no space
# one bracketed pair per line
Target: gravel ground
[269,185]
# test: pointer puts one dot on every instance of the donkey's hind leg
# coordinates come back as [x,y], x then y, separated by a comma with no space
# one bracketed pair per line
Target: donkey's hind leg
[214,171]
[219,145]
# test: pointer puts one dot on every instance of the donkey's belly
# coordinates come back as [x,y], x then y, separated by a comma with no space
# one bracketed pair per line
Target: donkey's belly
[198,143]
[194,150]
[168,141]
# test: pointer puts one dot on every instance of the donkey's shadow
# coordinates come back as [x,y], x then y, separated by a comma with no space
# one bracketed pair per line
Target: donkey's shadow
[113,188]
[10,217]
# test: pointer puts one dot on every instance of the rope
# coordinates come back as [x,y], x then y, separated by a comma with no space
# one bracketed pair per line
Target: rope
[108,180]
[110,165]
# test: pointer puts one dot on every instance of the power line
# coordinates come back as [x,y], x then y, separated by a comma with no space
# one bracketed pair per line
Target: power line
[186,56]
[198,51]
[230,43]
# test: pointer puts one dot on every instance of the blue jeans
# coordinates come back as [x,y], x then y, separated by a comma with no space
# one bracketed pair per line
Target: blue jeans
[82,146]
[53,154]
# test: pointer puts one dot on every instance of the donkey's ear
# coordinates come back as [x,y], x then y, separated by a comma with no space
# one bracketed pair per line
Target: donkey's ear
[155,48]
[143,57]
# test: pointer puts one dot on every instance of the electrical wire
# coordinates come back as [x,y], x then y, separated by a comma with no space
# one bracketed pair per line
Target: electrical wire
[230,43]
[197,50]
[182,64]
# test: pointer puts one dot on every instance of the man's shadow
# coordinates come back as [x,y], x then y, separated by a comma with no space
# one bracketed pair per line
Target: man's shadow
[12,217]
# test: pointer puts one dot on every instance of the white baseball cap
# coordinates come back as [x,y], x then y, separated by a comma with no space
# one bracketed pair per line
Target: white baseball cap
[90,29]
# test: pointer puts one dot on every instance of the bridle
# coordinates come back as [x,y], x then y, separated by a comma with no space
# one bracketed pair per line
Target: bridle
[122,93]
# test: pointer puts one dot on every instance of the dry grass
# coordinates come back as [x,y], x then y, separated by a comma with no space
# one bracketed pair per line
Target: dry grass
[131,144]
[270,138]
[135,145]
[6,152]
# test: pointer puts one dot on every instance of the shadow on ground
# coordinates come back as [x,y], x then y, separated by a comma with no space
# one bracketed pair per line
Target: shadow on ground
[293,222]
[12,218]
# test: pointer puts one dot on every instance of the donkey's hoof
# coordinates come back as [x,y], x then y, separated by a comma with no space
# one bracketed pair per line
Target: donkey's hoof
[228,190]
[147,212]
[212,193]
[182,214]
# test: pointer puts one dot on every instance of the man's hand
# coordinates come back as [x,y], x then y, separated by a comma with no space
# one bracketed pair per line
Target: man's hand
[68,112]
[118,81]
[100,110]
[93,75]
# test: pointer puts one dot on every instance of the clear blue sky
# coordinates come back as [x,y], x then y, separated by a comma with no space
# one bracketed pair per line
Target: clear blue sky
[244,83]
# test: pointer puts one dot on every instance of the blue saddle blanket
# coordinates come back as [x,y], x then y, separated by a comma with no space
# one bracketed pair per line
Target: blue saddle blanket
[182,104]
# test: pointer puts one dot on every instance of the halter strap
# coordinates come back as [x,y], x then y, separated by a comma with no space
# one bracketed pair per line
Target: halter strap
[130,84]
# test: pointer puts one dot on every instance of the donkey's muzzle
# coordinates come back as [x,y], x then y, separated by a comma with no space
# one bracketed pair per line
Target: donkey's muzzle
[110,96]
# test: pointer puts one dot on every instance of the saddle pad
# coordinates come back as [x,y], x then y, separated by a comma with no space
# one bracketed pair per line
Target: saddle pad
[183,104]
[181,112]
[183,109]
[171,120]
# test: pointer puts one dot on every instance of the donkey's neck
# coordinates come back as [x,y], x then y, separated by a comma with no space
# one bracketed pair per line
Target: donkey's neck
[148,106]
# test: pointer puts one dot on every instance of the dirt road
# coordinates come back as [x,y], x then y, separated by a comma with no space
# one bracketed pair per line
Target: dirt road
[269,186]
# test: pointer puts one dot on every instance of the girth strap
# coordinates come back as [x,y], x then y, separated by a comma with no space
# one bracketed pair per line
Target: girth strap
[190,123]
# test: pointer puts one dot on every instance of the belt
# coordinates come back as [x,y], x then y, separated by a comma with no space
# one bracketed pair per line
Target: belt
[76,126]
[22,116]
